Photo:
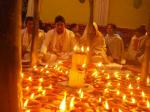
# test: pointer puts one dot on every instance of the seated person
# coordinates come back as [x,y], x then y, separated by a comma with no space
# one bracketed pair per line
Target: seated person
[75,28]
[96,42]
[58,42]
[141,46]
[135,44]
[26,36]
[115,45]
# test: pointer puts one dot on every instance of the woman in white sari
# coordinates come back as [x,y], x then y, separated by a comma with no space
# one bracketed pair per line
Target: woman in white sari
[96,42]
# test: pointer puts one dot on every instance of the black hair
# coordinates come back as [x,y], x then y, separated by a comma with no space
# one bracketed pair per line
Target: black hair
[73,25]
[141,30]
[59,18]
[113,26]
[29,18]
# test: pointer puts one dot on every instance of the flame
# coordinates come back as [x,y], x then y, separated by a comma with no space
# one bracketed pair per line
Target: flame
[62,106]
[108,76]
[130,86]
[42,69]
[138,78]
[109,84]
[27,88]
[32,96]
[30,78]
[40,88]
[66,72]
[119,110]
[72,103]
[127,76]
[148,80]
[124,97]
[41,80]
[116,74]
[46,66]
[133,100]
[35,67]
[99,64]
[47,72]
[75,48]
[25,103]
[44,92]
[143,94]
[131,93]
[95,73]
[106,105]
[118,92]
[50,86]
[87,49]
[81,95]
[22,75]
[148,104]
[84,66]
[100,100]
[106,90]
[27,111]
[118,84]
[82,49]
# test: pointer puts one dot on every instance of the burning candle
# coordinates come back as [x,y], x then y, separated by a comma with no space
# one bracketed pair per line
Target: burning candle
[71,107]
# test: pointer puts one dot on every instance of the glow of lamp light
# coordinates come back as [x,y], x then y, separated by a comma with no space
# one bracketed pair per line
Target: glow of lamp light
[100,100]
[32,96]
[72,103]
[81,95]
[118,92]
[118,84]
[138,78]
[116,74]
[40,88]
[41,80]
[22,75]
[131,93]
[27,88]
[47,72]
[138,87]
[62,106]
[124,97]
[143,94]
[130,86]
[30,78]
[95,74]
[108,76]
[84,66]
[87,49]
[127,76]
[148,80]
[133,100]
[106,105]
[27,111]
[46,66]
[103,71]
[99,64]
[82,49]
[109,84]
[106,90]
[42,69]
[119,110]
[50,86]
[75,48]
[44,92]
[66,72]
[148,104]
[25,103]
[35,67]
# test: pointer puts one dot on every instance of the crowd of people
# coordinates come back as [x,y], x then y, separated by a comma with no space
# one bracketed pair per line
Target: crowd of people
[58,42]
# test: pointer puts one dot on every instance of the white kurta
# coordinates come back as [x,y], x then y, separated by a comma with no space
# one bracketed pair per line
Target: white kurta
[57,45]
[115,46]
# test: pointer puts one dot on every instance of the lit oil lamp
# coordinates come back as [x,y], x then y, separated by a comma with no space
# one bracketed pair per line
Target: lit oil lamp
[62,107]
[29,79]
[27,110]
[41,80]
[71,107]
[148,81]
[32,96]
[124,98]
[22,75]
[46,66]
[130,86]
[25,103]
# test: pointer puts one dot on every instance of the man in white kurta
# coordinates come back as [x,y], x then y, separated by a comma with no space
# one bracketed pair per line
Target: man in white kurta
[114,44]
[58,43]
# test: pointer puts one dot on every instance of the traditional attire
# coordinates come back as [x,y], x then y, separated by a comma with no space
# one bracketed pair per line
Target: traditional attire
[57,45]
[133,47]
[27,41]
[115,46]
[97,45]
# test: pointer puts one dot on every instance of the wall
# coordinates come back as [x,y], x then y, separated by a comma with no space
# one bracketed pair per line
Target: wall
[121,12]
[72,10]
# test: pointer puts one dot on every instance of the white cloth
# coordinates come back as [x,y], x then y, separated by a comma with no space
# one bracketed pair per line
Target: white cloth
[115,46]
[58,43]
[97,45]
